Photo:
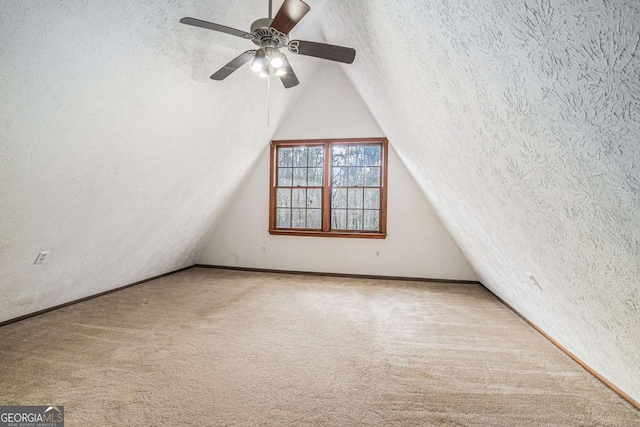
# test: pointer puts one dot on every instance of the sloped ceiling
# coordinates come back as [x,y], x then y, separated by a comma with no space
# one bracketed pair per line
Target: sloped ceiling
[117,151]
[520,120]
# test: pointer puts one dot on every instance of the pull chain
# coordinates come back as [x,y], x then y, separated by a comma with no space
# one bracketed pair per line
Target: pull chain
[269,69]
[268,94]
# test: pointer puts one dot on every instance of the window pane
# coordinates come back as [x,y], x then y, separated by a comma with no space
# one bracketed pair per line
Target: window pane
[372,177]
[339,198]
[356,155]
[354,220]
[371,220]
[283,219]
[300,177]
[354,182]
[299,199]
[316,156]
[314,198]
[339,219]
[372,198]
[315,177]
[339,156]
[285,157]
[300,156]
[372,155]
[355,198]
[356,177]
[298,219]
[284,177]
[339,177]
[284,198]
[314,218]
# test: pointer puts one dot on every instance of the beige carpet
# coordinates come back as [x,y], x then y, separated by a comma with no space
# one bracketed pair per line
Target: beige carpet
[212,347]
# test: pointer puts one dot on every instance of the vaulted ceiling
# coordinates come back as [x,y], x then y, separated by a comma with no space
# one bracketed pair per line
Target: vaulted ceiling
[520,121]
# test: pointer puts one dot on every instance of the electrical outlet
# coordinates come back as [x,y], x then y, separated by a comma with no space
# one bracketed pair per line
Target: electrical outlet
[264,249]
[42,257]
[534,281]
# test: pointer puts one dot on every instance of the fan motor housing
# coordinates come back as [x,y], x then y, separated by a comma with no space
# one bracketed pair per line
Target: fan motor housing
[266,36]
[264,23]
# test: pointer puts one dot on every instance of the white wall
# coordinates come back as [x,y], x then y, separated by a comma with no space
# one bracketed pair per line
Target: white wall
[417,244]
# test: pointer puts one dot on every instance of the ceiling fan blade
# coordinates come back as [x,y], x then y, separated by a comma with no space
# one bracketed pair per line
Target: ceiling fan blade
[291,12]
[235,63]
[324,51]
[289,79]
[216,27]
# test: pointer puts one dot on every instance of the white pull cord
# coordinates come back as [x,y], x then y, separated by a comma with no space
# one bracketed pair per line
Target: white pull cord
[268,94]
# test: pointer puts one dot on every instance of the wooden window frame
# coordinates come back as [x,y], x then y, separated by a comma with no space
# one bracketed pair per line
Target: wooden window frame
[326,189]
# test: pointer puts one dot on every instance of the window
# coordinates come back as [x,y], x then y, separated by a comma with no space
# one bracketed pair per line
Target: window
[333,188]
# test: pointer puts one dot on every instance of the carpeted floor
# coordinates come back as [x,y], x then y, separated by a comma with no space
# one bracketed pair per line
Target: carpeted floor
[208,347]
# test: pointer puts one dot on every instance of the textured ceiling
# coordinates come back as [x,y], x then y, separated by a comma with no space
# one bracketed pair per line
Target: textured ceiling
[520,120]
[117,151]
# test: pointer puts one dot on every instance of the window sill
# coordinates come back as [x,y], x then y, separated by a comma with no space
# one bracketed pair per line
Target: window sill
[341,234]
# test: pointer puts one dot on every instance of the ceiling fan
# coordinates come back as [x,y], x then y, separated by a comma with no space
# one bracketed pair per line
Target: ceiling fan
[271,35]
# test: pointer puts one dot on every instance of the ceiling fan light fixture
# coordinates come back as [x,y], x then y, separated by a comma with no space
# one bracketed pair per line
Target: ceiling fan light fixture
[280,71]
[260,62]
[275,58]
[276,62]
[265,71]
